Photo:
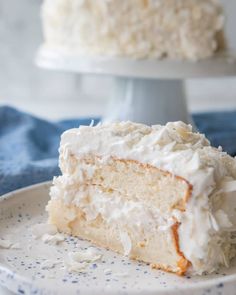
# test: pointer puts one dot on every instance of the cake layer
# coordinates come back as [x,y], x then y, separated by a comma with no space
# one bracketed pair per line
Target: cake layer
[134,180]
[185,29]
[160,249]
[113,206]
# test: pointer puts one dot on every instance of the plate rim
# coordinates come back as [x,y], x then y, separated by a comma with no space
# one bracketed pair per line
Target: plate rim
[11,194]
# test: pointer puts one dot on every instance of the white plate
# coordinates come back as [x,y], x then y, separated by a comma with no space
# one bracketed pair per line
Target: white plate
[222,64]
[21,269]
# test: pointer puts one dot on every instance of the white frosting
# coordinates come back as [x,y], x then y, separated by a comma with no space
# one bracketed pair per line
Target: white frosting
[206,229]
[123,215]
[136,28]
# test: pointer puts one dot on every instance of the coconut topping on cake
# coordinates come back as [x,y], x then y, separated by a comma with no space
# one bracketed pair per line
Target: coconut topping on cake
[183,29]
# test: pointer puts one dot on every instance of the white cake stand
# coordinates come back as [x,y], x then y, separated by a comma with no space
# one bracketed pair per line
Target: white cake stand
[146,91]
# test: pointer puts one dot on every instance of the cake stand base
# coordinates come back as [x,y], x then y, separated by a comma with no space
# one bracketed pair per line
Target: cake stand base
[147,101]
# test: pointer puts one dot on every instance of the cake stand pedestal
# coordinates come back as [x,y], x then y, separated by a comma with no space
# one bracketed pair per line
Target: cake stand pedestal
[147,101]
[146,91]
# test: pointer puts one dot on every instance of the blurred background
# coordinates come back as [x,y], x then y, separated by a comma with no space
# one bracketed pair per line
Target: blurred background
[55,95]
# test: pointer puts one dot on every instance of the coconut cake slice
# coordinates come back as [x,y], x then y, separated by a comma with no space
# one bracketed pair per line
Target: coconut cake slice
[157,194]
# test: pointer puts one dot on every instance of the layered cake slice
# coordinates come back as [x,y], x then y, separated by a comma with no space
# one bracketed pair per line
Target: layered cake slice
[157,194]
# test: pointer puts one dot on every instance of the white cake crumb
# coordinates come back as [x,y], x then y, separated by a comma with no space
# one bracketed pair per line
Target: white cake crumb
[78,261]
[53,239]
[15,246]
[5,244]
[73,266]
[48,233]
[40,229]
[88,255]
[49,264]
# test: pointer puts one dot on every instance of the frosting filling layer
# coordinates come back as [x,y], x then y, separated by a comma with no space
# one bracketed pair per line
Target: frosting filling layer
[132,216]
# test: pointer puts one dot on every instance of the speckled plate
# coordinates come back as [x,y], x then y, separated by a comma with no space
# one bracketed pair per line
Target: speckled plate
[22,271]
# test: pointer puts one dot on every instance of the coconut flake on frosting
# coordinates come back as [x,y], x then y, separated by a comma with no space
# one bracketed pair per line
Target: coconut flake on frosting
[185,29]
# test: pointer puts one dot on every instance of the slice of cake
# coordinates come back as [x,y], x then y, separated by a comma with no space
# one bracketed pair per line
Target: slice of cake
[157,194]
[183,29]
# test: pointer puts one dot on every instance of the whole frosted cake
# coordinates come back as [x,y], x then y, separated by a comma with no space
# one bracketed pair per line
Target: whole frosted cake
[158,194]
[178,29]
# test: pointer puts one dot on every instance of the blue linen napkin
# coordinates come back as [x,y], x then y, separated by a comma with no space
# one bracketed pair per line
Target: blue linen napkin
[29,145]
